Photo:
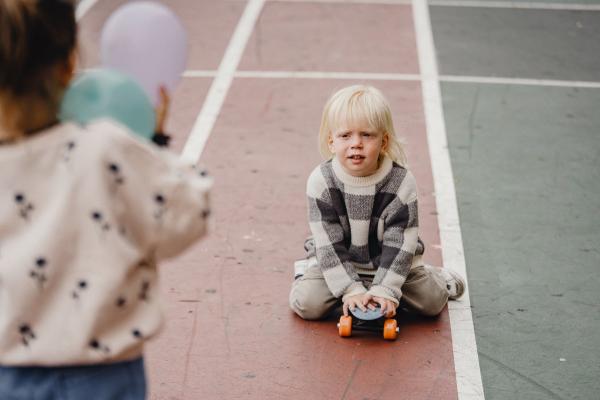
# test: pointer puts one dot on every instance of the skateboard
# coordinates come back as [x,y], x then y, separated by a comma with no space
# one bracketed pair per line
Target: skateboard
[370,320]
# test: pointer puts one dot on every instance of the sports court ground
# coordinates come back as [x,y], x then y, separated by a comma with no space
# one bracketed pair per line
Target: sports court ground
[498,103]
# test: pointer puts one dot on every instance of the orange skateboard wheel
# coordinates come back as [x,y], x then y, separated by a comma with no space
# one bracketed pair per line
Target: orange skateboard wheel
[390,329]
[345,326]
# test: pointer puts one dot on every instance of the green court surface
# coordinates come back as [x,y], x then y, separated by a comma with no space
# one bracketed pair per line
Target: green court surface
[518,43]
[529,3]
[526,164]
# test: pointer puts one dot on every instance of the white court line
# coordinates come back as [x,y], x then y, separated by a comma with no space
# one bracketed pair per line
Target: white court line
[384,2]
[464,346]
[326,75]
[83,7]
[392,77]
[220,85]
[519,81]
[308,75]
[516,4]
[465,3]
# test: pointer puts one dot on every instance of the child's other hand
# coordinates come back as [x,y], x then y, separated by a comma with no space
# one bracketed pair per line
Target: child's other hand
[388,307]
[359,300]
[162,109]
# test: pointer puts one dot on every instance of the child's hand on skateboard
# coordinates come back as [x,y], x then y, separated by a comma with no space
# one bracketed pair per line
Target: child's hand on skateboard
[359,300]
[372,308]
[388,307]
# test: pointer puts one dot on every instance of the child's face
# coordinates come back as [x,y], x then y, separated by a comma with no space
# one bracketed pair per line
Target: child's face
[357,147]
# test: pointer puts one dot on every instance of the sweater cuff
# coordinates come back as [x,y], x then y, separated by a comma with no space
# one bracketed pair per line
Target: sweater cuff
[353,290]
[386,293]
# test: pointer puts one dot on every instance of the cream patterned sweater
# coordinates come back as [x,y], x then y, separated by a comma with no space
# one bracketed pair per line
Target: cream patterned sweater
[85,215]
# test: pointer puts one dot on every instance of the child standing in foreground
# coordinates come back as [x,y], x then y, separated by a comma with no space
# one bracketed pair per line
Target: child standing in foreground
[85,215]
[365,248]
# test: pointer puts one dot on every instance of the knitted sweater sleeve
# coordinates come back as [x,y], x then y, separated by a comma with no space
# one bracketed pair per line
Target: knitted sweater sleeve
[161,201]
[332,254]
[400,241]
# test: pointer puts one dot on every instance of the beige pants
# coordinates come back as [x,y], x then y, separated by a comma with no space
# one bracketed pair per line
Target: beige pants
[424,292]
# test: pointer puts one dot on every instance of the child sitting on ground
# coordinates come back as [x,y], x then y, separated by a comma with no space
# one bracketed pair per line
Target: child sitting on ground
[362,202]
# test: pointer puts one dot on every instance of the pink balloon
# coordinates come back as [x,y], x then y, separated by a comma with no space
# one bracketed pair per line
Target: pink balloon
[147,41]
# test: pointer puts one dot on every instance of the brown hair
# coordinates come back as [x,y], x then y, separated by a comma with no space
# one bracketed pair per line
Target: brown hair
[35,35]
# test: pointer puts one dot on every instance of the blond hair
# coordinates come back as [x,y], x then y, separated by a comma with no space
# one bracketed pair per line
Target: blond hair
[360,103]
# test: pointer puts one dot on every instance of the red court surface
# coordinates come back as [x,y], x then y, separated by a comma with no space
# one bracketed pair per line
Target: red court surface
[209,25]
[230,333]
[309,36]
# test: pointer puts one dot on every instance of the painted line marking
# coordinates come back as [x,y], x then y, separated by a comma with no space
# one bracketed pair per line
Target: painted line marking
[306,75]
[327,75]
[382,2]
[519,81]
[515,4]
[221,83]
[83,7]
[464,3]
[392,77]
[466,361]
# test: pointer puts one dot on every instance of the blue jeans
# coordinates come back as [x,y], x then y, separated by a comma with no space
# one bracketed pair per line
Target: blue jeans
[118,381]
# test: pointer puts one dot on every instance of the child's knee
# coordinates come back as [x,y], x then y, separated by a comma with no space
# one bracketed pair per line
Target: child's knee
[308,310]
[431,306]
[306,304]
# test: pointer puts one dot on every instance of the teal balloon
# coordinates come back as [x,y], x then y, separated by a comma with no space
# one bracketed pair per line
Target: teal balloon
[104,93]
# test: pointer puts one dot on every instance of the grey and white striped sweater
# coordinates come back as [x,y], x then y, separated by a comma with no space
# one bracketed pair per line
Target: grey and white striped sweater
[364,225]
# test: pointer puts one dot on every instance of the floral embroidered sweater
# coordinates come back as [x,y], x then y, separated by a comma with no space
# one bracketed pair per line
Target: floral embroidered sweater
[85,215]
